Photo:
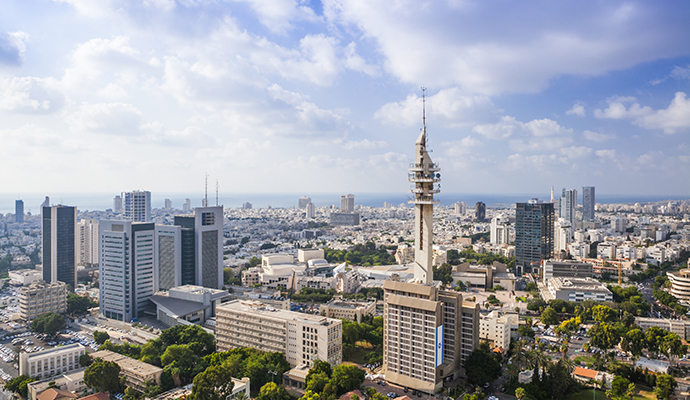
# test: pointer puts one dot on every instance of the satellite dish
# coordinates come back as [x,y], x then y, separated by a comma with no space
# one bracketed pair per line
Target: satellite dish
[438,175]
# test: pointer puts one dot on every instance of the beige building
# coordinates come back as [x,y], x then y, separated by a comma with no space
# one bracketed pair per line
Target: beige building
[250,277]
[485,276]
[428,334]
[303,338]
[576,289]
[680,284]
[25,276]
[136,372]
[498,329]
[51,362]
[70,381]
[350,310]
[679,327]
[40,298]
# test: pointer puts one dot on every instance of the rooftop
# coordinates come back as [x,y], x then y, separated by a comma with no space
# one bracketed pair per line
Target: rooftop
[126,363]
[257,307]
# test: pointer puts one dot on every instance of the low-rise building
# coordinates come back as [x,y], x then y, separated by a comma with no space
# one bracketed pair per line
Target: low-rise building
[679,327]
[680,284]
[188,304]
[496,329]
[578,289]
[25,276]
[484,276]
[566,269]
[348,309]
[136,372]
[51,361]
[40,298]
[303,338]
[69,381]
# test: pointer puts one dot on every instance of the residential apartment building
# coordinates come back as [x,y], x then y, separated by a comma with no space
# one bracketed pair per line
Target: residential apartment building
[677,326]
[59,225]
[303,338]
[51,361]
[568,204]
[680,284]
[137,205]
[497,329]
[19,211]
[40,298]
[136,372]
[534,226]
[87,243]
[588,202]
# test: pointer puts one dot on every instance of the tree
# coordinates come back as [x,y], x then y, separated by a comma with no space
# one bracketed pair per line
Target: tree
[604,336]
[665,384]
[319,367]
[604,314]
[317,382]
[653,338]
[619,386]
[19,384]
[271,391]
[100,337]
[630,392]
[103,376]
[520,393]
[347,377]
[636,342]
[50,324]
[549,317]
[215,383]
[79,304]
[85,360]
[672,346]
[481,366]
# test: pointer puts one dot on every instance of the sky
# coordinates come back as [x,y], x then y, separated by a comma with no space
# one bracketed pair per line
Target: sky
[321,96]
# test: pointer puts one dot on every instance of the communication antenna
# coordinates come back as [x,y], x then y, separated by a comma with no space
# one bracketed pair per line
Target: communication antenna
[217,189]
[424,107]
[206,191]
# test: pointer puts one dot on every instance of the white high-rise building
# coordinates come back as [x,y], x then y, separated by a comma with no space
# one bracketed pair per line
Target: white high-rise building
[568,204]
[500,230]
[168,204]
[347,203]
[619,224]
[563,235]
[137,206]
[303,201]
[187,206]
[310,210]
[117,204]
[460,208]
[87,243]
[137,259]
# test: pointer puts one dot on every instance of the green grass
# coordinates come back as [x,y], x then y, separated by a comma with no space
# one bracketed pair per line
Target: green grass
[643,393]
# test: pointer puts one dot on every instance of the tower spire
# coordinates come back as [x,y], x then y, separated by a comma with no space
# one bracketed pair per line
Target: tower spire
[424,108]
[206,191]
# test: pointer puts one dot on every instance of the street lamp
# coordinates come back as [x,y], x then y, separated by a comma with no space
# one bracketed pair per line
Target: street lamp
[274,374]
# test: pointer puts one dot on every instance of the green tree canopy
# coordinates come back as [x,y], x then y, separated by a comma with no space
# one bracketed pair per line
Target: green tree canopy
[604,336]
[100,337]
[103,376]
[665,385]
[215,383]
[481,366]
[50,324]
[271,391]
[19,384]
[549,317]
[347,377]
[79,304]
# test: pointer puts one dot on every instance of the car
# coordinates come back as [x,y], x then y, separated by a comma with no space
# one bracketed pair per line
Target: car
[486,385]
[503,390]
[406,390]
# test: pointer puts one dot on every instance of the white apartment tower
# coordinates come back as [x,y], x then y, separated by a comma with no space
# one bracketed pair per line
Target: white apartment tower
[187,206]
[428,332]
[568,204]
[563,235]
[117,204]
[500,230]
[137,206]
[87,243]
[310,210]
[347,203]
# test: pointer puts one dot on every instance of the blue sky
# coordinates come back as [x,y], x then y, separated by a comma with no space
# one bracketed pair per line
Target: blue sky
[324,96]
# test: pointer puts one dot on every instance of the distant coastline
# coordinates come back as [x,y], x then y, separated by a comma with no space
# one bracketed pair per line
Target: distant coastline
[103,201]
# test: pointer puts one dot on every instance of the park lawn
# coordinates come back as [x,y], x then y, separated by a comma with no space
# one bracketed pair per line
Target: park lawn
[642,393]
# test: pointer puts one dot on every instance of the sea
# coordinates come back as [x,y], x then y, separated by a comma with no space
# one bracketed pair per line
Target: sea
[103,201]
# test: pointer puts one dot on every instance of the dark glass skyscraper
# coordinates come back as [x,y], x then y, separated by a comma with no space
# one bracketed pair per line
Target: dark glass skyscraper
[480,211]
[188,238]
[59,244]
[533,234]
[19,211]
[588,203]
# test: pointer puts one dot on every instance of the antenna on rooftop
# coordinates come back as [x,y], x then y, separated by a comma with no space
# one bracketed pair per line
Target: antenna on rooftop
[206,191]
[217,189]
[424,107]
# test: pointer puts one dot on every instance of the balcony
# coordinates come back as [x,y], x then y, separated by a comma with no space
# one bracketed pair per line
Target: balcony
[420,167]
[421,178]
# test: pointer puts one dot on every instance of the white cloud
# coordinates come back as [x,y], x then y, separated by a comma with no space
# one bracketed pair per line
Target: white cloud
[355,62]
[449,107]
[671,119]
[30,95]
[578,109]
[597,137]
[90,8]
[277,15]
[120,119]
[681,72]
[461,147]
[501,130]
[577,151]
[13,47]
[545,127]
[606,154]
[364,144]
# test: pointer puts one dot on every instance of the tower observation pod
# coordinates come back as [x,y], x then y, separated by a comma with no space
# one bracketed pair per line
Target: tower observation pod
[425,179]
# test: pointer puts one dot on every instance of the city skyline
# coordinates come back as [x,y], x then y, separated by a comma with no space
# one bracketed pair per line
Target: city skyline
[321,97]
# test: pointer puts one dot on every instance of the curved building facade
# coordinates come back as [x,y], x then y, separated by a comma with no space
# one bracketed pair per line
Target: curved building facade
[680,284]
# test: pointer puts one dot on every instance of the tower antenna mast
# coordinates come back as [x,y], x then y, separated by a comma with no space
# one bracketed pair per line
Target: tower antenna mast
[206,191]
[217,189]
[424,107]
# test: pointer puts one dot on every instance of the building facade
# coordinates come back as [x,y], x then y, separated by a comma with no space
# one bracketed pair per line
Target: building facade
[680,284]
[202,247]
[87,231]
[40,298]
[347,203]
[534,225]
[135,372]
[137,205]
[303,338]
[566,269]
[480,212]
[51,361]
[60,244]
[19,211]
[578,289]
[588,203]
[568,204]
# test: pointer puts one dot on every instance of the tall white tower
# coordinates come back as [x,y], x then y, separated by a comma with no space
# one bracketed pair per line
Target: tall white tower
[425,178]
